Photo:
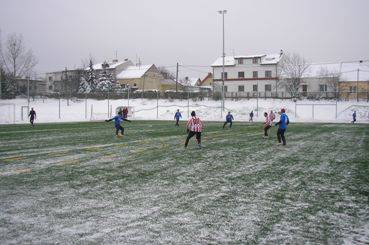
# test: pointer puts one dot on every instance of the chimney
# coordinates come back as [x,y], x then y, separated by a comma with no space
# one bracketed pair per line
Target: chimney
[281,53]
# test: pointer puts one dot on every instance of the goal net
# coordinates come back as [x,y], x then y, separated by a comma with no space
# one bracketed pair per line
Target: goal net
[7,115]
[121,108]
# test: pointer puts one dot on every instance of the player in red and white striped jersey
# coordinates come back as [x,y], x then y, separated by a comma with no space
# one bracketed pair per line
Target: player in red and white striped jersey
[194,127]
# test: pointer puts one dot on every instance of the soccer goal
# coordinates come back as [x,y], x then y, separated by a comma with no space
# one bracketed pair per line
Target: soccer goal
[129,108]
[99,115]
[7,115]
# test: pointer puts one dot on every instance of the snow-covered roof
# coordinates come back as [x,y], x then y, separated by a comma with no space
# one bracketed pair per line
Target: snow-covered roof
[347,70]
[112,65]
[228,61]
[266,59]
[191,81]
[134,72]
[270,59]
[249,56]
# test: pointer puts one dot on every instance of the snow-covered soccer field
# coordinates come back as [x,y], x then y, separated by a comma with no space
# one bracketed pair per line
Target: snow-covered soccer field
[76,183]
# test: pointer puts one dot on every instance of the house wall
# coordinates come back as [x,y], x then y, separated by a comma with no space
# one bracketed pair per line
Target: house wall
[346,93]
[233,81]
[150,81]
[208,81]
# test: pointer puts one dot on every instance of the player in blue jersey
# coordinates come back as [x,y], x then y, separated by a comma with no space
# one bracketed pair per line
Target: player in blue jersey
[229,119]
[177,116]
[118,119]
[282,126]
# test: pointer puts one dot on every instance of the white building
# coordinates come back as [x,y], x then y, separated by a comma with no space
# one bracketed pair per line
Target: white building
[247,74]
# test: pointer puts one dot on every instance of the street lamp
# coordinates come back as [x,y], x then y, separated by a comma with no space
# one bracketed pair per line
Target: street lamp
[105,66]
[222,12]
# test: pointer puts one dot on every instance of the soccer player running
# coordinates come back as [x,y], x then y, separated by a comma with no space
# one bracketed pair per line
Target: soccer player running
[32,116]
[251,116]
[271,116]
[267,124]
[194,127]
[118,119]
[283,122]
[354,117]
[177,116]
[229,119]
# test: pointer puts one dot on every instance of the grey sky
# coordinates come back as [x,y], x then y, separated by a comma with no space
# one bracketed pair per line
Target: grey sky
[62,33]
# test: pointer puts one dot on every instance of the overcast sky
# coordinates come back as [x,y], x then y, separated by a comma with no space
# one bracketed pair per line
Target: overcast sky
[63,33]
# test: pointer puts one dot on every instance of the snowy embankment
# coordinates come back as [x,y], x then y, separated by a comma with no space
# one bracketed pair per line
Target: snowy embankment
[82,110]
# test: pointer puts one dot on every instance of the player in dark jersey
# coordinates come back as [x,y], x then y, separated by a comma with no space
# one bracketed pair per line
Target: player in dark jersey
[32,116]
[229,119]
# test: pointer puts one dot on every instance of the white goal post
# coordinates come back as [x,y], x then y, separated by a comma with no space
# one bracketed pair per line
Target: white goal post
[129,108]
[7,115]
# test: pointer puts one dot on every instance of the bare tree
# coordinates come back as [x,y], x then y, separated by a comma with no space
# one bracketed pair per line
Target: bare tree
[166,73]
[292,69]
[331,78]
[16,61]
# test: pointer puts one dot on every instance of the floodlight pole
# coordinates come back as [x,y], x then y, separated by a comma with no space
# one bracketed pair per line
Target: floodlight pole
[222,12]
[28,93]
[357,85]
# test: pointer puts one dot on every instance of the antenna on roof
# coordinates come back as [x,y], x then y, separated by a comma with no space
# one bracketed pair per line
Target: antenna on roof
[116,54]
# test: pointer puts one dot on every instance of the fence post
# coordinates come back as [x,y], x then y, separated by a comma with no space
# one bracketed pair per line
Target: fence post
[336,110]
[157,105]
[92,111]
[59,105]
[313,111]
[188,104]
[86,106]
[111,111]
[295,110]
[13,113]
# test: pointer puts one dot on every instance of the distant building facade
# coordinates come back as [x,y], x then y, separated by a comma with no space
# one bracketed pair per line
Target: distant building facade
[144,78]
[247,74]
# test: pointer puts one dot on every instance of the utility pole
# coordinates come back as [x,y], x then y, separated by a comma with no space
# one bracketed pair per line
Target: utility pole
[357,85]
[67,84]
[0,82]
[177,78]
[28,92]
[222,12]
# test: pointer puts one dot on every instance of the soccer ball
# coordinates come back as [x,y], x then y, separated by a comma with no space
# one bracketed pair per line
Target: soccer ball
[120,136]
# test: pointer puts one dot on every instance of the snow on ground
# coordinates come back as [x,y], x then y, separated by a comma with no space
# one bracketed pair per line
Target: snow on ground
[164,109]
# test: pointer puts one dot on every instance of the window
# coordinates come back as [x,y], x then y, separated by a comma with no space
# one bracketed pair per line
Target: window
[225,89]
[268,74]
[241,88]
[240,61]
[255,87]
[352,89]
[323,87]
[241,74]
[134,85]
[50,87]
[225,75]
[304,88]
[255,60]
[255,74]
[50,79]
[268,87]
